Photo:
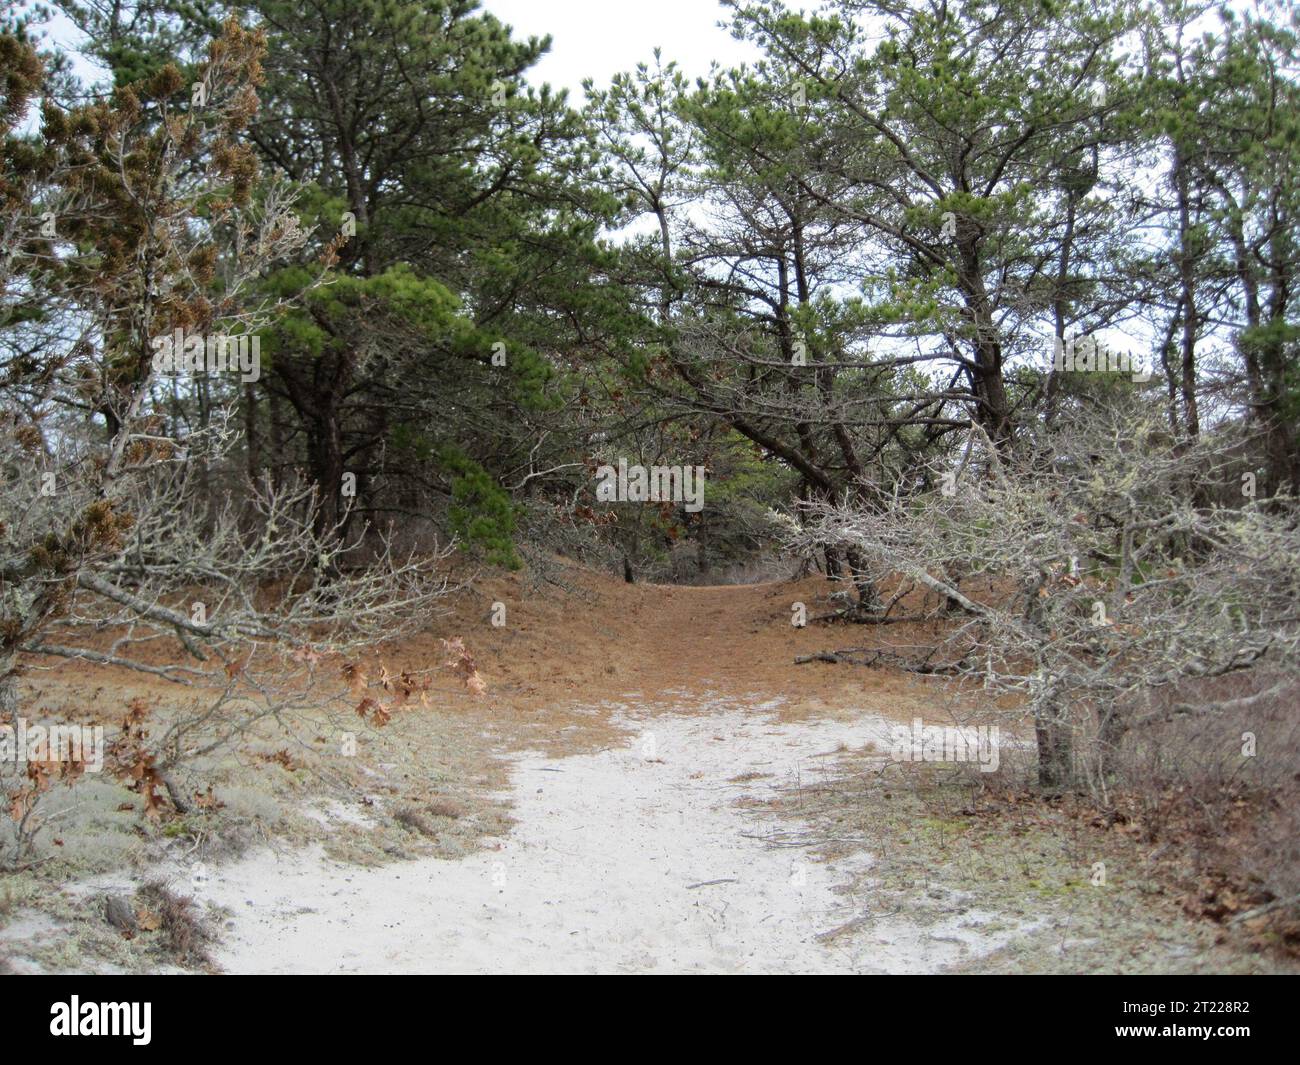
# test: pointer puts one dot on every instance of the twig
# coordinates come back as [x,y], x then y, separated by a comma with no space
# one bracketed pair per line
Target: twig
[1259,911]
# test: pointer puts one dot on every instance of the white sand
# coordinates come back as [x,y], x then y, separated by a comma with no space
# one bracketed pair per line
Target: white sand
[598,875]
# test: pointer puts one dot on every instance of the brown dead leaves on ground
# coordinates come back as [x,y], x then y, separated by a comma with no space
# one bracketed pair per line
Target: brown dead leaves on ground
[403,688]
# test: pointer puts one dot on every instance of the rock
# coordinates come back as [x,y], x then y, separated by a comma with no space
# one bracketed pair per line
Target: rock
[118,913]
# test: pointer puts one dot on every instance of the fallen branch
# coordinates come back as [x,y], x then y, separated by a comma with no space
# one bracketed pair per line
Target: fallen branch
[876,656]
[856,617]
[1259,911]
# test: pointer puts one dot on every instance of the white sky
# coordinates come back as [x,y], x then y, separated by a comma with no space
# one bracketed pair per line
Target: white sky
[599,38]
[590,38]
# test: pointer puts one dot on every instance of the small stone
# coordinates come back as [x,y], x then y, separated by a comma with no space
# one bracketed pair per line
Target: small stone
[118,913]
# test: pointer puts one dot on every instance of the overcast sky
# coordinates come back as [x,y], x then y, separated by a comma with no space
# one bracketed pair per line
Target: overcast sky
[589,38]
[595,38]
[598,38]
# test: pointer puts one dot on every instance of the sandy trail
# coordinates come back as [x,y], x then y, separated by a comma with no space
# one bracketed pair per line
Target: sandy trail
[633,859]
[640,730]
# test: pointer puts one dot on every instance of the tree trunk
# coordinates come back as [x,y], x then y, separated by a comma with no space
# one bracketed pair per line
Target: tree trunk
[992,406]
[1055,749]
[832,563]
[327,467]
[1191,315]
[252,439]
[279,438]
[1111,728]
[863,585]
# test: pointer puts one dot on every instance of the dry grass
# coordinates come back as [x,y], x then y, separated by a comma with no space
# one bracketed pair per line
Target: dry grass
[183,933]
[943,843]
[1229,820]
[412,819]
[572,649]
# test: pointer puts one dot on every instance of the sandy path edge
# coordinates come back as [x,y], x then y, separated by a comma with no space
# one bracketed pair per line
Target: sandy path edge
[634,859]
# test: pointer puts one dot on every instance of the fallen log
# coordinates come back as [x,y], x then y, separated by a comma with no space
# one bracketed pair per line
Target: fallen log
[875,656]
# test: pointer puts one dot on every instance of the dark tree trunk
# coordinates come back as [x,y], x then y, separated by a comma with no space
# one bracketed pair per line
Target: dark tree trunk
[252,438]
[863,585]
[1111,728]
[1055,750]
[1187,301]
[832,563]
